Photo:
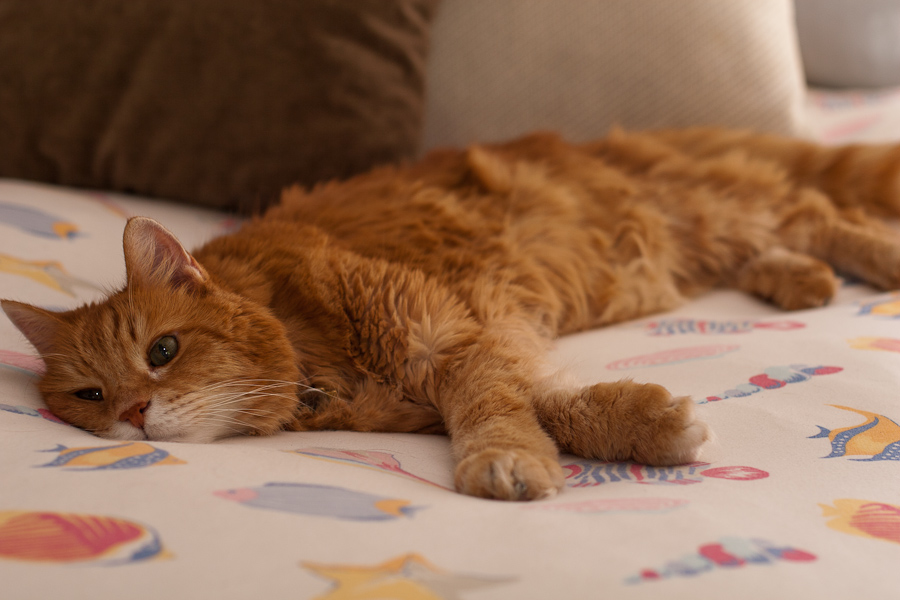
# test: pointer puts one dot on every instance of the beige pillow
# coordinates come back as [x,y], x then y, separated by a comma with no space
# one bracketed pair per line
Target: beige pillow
[503,67]
[214,102]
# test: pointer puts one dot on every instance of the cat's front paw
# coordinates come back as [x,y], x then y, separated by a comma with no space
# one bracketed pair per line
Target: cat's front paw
[628,421]
[668,431]
[509,474]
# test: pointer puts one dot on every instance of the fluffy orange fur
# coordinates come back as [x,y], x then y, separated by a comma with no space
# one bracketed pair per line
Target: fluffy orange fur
[422,298]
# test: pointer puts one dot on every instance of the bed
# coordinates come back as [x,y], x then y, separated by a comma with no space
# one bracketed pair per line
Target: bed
[798,496]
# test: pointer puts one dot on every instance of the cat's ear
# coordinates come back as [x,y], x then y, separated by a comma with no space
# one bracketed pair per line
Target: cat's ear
[36,324]
[153,255]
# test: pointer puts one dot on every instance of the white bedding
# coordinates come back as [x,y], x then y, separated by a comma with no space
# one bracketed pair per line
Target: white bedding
[798,497]
[838,117]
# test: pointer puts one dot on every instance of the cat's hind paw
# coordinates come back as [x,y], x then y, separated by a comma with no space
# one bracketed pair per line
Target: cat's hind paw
[509,474]
[790,280]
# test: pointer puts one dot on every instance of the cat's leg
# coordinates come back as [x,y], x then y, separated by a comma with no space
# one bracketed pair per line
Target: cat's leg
[481,400]
[622,421]
[503,452]
[859,175]
[848,240]
[828,199]
[416,336]
[788,279]
[866,253]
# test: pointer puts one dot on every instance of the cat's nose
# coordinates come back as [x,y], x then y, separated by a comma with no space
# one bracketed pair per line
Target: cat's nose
[135,414]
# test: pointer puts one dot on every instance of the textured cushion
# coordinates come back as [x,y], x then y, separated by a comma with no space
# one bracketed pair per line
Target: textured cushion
[215,102]
[850,43]
[502,67]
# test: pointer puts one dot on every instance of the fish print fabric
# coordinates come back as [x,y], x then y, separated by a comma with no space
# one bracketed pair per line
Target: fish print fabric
[798,496]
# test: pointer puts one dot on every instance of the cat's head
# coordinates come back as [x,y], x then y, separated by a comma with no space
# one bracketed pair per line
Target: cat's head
[171,356]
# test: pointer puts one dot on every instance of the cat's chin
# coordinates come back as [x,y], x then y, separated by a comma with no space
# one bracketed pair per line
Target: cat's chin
[127,432]
[123,431]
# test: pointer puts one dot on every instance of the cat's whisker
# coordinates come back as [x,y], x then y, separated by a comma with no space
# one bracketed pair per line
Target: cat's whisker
[260,413]
[259,379]
[231,407]
[254,411]
[265,388]
[227,396]
[245,381]
[231,398]
[269,383]
[218,419]
[224,409]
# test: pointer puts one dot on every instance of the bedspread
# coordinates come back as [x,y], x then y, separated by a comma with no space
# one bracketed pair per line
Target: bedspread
[797,497]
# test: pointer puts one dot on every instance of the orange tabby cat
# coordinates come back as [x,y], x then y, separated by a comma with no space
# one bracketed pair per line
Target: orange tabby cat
[422,298]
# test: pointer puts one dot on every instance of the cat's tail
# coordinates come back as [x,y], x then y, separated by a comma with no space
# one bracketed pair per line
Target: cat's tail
[856,175]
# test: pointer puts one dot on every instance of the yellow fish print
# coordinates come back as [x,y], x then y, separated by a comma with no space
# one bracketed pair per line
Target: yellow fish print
[407,577]
[46,272]
[883,307]
[878,437]
[130,455]
[875,343]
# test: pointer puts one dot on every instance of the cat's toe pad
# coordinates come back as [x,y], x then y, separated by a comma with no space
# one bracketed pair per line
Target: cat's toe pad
[509,474]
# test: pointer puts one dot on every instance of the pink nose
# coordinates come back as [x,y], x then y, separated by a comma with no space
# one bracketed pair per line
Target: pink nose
[135,414]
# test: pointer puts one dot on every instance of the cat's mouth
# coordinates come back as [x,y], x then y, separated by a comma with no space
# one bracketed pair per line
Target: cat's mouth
[125,430]
[177,419]
[153,432]
[138,422]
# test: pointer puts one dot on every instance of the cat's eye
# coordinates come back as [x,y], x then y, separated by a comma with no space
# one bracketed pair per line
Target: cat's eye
[163,350]
[92,394]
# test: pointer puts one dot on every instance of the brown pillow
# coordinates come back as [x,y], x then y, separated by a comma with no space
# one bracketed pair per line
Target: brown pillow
[215,102]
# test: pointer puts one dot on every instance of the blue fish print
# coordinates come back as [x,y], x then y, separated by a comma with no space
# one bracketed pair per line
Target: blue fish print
[772,379]
[32,412]
[586,473]
[668,327]
[321,501]
[37,222]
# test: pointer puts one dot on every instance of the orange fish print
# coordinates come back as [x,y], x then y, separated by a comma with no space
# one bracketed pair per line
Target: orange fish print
[864,518]
[52,537]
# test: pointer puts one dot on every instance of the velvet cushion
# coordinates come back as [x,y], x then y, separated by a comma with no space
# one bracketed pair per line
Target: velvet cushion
[213,102]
